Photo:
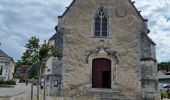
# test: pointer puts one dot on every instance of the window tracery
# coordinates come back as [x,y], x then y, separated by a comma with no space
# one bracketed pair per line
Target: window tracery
[101,23]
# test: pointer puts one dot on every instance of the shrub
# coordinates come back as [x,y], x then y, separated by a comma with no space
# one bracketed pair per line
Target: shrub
[2,82]
[163,94]
[8,82]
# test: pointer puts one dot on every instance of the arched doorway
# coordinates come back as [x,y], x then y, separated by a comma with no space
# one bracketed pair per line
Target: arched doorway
[101,73]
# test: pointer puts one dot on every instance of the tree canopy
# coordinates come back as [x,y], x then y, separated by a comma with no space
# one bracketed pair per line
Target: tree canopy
[37,53]
[164,66]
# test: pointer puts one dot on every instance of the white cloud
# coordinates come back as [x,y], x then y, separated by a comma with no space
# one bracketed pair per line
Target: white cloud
[20,19]
[157,11]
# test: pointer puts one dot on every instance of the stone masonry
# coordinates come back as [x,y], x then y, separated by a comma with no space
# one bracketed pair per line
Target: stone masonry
[127,46]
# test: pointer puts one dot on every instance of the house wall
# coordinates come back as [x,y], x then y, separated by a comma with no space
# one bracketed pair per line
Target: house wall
[8,69]
[4,71]
[11,70]
[49,64]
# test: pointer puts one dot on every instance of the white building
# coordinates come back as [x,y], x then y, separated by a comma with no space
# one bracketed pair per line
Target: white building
[7,66]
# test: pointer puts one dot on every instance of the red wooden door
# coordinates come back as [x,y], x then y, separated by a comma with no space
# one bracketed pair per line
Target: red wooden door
[101,73]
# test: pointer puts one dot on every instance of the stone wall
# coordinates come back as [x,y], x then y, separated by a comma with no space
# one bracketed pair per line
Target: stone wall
[147,47]
[149,80]
[77,26]
[75,39]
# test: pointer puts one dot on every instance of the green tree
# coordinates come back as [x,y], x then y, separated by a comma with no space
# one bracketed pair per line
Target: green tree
[164,66]
[18,64]
[35,55]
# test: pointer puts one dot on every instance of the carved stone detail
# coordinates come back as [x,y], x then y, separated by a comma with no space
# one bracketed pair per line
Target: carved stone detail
[120,12]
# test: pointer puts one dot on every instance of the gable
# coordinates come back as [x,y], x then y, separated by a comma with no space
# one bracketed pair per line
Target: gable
[118,4]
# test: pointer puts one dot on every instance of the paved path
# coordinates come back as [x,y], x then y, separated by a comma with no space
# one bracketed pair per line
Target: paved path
[27,89]
[22,88]
[18,89]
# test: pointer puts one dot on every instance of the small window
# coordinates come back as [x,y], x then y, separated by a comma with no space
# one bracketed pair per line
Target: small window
[101,23]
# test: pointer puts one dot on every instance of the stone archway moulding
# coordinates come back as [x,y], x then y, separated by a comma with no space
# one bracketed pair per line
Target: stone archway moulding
[104,52]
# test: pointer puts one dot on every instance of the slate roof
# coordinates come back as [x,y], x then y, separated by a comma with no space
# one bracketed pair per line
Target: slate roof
[3,54]
[53,37]
[162,72]
[56,36]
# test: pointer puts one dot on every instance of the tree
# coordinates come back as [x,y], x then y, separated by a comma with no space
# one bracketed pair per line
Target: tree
[35,53]
[164,66]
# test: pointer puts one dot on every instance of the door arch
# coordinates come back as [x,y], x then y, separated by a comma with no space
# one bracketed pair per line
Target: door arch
[101,73]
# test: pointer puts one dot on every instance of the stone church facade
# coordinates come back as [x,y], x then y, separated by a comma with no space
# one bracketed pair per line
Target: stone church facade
[106,52]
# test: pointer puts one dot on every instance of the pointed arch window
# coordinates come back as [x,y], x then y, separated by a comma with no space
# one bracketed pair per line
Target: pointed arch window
[101,23]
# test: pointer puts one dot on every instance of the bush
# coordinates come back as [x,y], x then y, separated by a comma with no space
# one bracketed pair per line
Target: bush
[2,82]
[8,82]
[163,94]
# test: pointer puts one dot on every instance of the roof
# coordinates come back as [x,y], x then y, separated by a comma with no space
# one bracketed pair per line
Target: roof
[3,54]
[162,72]
[168,72]
[145,34]
[55,36]
[164,77]
[24,68]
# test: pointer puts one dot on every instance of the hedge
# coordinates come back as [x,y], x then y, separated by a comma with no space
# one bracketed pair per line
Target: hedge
[8,82]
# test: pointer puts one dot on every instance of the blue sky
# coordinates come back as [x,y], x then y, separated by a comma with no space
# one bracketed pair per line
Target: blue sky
[21,19]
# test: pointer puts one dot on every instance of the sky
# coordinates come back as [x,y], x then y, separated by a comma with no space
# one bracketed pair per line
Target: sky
[21,19]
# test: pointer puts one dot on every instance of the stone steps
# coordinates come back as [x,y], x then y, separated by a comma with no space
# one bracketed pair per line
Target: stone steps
[105,94]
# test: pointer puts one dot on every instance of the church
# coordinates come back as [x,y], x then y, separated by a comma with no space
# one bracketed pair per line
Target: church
[107,53]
